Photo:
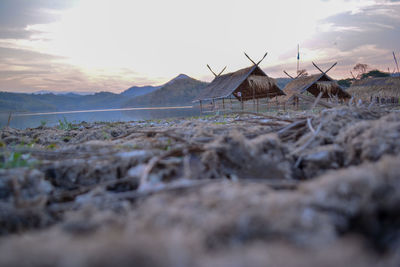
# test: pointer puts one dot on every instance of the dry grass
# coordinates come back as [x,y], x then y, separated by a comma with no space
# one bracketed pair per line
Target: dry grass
[330,88]
[376,87]
[262,82]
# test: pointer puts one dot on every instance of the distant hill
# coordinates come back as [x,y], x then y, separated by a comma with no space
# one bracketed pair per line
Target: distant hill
[282,82]
[45,92]
[179,77]
[26,102]
[140,90]
[52,102]
[180,90]
[143,90]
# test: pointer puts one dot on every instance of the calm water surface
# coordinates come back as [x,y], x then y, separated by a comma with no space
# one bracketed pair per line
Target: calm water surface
[31,120]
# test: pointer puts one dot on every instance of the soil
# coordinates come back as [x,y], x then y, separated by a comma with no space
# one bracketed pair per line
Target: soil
[299,189]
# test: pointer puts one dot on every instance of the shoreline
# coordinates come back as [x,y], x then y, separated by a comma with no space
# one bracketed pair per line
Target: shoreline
[99,110]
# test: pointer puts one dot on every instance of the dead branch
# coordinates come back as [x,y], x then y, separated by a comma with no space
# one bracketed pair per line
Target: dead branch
[9,119]
[317,100]
[310,125]
[351,101]
[265,116]
[309,141]
[155,160]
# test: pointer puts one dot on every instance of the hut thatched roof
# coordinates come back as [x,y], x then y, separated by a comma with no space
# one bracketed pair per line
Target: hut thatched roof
[380,87]
[315,84]
[250,82]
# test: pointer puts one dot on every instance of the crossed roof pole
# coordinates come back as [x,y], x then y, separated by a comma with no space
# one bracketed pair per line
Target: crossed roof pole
[255,64]
[208,66]
[258,63]
[315,65]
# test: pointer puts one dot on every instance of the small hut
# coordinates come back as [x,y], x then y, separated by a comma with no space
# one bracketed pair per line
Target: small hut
[243,85]
[384,89]
[314,85]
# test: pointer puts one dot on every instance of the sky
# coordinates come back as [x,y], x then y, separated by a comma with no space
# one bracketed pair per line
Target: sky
[111,45]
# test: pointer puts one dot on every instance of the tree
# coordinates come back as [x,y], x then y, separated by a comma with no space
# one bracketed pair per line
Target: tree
[302,73]
[375,73]
[345,82]
[360,69]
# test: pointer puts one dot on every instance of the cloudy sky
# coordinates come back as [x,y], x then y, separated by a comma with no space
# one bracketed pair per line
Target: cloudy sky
[110,45]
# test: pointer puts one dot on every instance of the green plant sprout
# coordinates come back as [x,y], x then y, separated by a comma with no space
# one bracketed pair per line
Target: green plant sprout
[15,160]
[65,125]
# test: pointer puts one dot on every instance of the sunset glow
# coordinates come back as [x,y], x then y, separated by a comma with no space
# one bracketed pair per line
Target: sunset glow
[94,45]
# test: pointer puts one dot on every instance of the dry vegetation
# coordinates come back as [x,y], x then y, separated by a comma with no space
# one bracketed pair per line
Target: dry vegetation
[386,87]
[298,189]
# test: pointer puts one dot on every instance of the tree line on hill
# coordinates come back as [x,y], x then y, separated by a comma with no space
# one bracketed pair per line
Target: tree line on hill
[362,71]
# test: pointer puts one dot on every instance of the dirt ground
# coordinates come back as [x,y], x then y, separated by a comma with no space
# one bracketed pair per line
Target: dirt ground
[298,189]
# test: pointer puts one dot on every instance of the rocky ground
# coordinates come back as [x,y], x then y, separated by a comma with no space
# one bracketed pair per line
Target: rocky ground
[305,189]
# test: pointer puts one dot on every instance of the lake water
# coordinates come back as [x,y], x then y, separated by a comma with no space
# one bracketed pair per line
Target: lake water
[32,120]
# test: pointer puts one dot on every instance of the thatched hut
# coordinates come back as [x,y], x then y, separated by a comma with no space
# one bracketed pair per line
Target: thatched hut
[245,84]
[372,88]
[314,85]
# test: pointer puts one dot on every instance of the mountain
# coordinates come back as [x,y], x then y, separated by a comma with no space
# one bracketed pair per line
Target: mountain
[179,91]
[25,102]
[179,77]
[139,90]
[45,92]
[282,82]
[143,90]
[52,102]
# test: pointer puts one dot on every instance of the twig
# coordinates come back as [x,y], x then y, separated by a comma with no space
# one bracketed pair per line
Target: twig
[277,184]
[133,195]
[298,161]
[309,141]
[370,105]
[317,100]
[9,119]
[351,101]
[272,123]
[291,126]
[310,125]
[71,194]
[124,136]
[54,154]
[166,133]
[179,185]
[155,160]
[265,116]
